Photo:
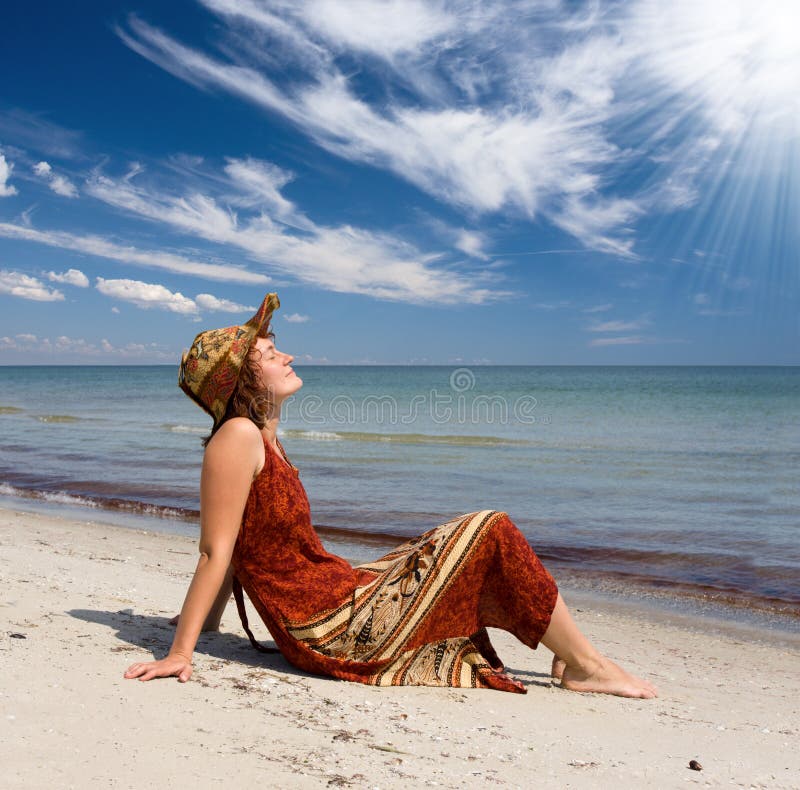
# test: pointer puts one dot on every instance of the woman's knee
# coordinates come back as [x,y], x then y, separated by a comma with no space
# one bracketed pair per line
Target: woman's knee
[501,522]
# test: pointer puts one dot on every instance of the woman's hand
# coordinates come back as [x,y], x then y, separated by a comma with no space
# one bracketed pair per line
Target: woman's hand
[173,664]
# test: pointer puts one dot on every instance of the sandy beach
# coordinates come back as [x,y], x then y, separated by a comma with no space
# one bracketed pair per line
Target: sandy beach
[82,600]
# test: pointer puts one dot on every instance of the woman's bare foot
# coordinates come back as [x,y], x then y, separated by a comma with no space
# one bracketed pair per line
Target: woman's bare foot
[606,677]
[558,667]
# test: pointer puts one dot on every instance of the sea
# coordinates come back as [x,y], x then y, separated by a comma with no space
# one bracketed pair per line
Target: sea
[671,483]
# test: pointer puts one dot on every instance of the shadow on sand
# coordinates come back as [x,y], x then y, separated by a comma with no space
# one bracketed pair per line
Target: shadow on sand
[154,634]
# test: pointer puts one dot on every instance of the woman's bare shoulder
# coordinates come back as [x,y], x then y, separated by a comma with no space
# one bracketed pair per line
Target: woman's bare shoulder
[237,440]
[238,429]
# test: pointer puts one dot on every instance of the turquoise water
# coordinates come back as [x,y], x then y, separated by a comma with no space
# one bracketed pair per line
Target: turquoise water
[680,477]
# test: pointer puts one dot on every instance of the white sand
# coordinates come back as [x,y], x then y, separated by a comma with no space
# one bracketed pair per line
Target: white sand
[92,599]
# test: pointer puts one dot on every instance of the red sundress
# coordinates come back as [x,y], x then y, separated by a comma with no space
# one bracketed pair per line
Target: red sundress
[416,616]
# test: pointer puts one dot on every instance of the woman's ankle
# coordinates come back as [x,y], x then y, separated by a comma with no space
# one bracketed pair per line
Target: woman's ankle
[587,664]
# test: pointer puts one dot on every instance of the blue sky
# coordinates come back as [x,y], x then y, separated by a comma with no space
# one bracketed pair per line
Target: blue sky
[421,182]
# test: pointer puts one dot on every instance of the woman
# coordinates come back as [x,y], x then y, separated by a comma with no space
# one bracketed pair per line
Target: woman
[417,616]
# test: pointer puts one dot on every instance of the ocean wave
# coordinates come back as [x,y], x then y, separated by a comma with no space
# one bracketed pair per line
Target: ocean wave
[58,418]
[184,428]
[10,410]
[317,436]
[459,440]
[124,505]
[56,497]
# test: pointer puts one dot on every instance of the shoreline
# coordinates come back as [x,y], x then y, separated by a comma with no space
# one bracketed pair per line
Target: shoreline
[89,599]
[716,605]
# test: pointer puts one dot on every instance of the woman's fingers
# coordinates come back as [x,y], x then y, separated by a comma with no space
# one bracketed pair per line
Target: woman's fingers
[160,669]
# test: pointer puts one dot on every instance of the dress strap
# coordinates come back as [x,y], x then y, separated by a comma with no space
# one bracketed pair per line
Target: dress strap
[238,595]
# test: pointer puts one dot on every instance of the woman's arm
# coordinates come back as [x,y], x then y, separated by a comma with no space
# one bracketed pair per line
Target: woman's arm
[231,460]
[218,607]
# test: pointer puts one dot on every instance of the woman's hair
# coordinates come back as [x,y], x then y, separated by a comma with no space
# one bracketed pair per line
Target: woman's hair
[249,398]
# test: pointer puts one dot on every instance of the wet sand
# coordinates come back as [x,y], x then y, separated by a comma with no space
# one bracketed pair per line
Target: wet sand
[83,600]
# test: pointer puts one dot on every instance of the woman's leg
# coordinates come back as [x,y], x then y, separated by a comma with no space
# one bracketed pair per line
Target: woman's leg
[585,668]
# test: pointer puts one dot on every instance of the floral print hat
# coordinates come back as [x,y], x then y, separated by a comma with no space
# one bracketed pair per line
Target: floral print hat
[210,368]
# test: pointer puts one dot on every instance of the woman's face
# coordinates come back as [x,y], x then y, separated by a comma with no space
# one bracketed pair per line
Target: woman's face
[277,376]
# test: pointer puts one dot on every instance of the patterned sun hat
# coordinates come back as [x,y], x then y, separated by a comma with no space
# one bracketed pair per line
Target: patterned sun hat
[210,368]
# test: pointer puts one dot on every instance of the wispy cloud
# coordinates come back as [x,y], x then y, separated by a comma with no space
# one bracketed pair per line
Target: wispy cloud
[471,243]
[385,29]
[619,326]
[38,133]
[104,248]
[70,277]
[26,287]
[6,189]
[538,147]
[344,258]
[81,348]
[629,340]
[538,127]
[598,308]
[296,318]
[259,184]
[718,312]
[146,295]
[61,185]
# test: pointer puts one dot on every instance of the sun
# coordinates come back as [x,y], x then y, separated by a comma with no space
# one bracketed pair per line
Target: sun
[718,89]
[736,61]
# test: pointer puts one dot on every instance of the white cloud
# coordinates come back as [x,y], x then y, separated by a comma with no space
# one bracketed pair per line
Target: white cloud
[630,340]
[70,277]
[115,309]
[259,184]
[27,287]
[213,304]
[104,248]
[384,29]
[471,243]
[61,185]
[343,259]
[35,132]
[619,326]
[540,125]
[6,189]
[700,298]
[296,318]
[720,313]
[146,295]
[599,308]
[79,348]
[535,153]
